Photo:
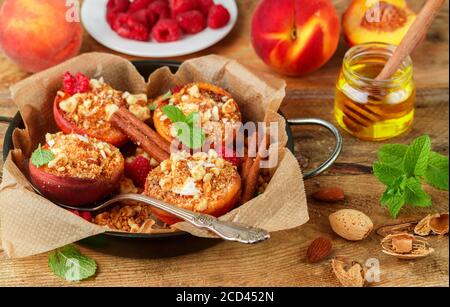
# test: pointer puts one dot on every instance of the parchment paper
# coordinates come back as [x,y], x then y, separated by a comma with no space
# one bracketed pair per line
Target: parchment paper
[30,224]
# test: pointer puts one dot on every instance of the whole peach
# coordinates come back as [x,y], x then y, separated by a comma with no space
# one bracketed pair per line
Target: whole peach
[295,37]
[35,34]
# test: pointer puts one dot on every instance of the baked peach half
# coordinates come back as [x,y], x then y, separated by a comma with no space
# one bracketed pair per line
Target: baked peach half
[215,108]
[386,21]
[84,106]
[202,182]
[75,170]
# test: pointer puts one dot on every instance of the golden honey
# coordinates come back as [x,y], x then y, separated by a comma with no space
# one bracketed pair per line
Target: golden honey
[370,109]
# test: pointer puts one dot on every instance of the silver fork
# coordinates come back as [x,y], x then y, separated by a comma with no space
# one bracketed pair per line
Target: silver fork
[229,231]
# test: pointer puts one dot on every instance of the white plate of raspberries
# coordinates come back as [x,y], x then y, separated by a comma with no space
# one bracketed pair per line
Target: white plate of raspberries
[158,28]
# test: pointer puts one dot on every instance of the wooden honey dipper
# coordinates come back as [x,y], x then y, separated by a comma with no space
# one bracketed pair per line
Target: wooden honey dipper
[412,39]
[363,116]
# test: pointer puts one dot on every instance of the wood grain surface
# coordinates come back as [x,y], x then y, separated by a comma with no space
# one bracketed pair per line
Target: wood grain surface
[280,261]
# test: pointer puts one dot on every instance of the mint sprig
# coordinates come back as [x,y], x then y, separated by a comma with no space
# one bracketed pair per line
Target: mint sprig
[402,169]
[187,131]
[437,171]
[152,106]
[41,156]
[68,263]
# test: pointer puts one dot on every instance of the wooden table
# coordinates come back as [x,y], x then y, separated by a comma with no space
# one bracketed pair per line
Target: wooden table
[281,260]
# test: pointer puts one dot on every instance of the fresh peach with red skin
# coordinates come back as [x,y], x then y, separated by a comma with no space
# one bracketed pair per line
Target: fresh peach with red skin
[35,34]
[295,37]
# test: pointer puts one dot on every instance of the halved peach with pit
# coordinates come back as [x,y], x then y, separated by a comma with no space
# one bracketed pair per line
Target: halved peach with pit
[385,21]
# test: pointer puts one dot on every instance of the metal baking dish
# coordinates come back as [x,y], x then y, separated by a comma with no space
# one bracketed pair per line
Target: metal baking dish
[145,68]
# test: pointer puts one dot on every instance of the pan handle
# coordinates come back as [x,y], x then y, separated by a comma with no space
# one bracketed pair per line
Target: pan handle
[5,98]
[337,150]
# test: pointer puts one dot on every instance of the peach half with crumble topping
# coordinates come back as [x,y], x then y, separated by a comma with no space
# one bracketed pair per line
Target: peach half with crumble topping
[202,182]
[76,170]
[215,108]
[85,106]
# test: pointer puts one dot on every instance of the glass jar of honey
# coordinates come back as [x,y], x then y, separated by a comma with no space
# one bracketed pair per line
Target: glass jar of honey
[373,109]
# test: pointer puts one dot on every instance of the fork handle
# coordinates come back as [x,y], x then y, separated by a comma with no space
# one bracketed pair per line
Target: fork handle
[229,231]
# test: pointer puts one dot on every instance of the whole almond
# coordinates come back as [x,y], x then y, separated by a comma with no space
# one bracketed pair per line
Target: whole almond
[319,249]
[329,195]
[351,224]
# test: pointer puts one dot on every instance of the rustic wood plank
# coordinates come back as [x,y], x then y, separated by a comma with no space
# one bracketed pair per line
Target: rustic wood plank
[281,260]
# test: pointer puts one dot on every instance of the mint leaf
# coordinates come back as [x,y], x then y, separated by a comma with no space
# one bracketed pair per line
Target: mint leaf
[174,114]
[416,156]
[415,195]
[393,199]
[386,173]
[166,96]
[68,263]
[392,154]
[41,156]
[192,118]
[182,128]
[437,172]
[187,132]
[401,168]
[153,106]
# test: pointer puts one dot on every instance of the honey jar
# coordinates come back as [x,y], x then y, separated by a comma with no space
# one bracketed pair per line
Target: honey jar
[373,109]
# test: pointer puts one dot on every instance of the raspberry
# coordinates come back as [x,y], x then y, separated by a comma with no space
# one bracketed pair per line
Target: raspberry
[140,17]
[111,16]
[191,22]
[82,83]
[86,215]
[138,5]
[166,30]
[218,16]
[118,5]
[204,6]
[83,214]
[159,9]
[75,84]
[127,27]
[114,8]
[181,6]
[69,83]
[230,156]
[137,170]
[176,89]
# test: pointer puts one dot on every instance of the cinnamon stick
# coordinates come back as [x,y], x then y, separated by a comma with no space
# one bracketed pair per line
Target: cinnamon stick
[412,38]
[246,165]
[248,161]
[141,134]
[152,134]
[251,181]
